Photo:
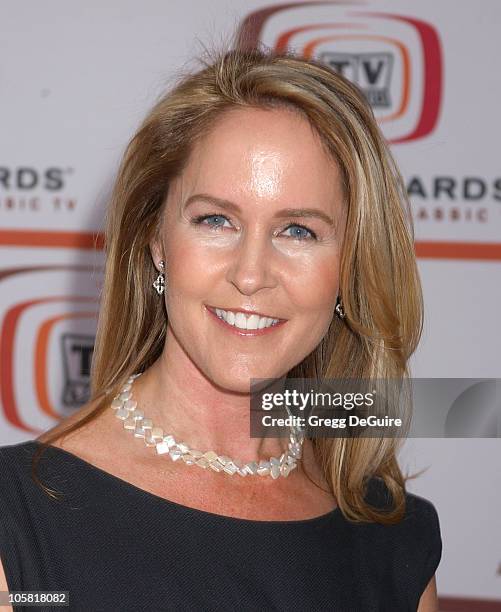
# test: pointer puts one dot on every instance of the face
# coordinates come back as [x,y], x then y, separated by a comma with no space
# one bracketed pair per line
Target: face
[251,235]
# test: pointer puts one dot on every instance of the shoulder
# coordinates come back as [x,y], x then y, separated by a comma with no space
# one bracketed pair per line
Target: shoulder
[20,478]
[15,468]
[17,449]
[422,513]
[15,461]
[416,540]
[423,527]
[14,458]
[418,509]
[420,518]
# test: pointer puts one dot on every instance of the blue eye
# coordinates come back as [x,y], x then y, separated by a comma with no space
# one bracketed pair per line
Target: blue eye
[216,221]
[201,218]
[303,234]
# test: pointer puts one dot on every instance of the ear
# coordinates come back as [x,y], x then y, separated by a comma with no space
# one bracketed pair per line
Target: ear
[156,251]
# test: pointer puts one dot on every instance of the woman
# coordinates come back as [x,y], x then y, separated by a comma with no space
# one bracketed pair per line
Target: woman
[258,229]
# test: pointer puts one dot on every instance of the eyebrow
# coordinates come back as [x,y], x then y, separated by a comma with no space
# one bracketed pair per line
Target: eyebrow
[284,212]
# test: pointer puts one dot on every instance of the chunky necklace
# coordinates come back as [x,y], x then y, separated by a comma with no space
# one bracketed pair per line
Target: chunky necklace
[134,420]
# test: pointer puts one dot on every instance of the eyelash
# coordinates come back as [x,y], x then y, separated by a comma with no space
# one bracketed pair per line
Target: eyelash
[200,218]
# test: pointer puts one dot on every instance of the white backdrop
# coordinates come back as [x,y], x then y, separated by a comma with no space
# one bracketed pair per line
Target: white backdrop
[76,79]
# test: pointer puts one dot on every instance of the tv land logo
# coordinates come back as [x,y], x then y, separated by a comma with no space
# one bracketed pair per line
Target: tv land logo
[370,71]
[397,62]
[76,352]
[48,315]
[395,59]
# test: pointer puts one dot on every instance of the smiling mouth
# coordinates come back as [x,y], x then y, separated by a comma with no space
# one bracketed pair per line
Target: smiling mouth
[246,321]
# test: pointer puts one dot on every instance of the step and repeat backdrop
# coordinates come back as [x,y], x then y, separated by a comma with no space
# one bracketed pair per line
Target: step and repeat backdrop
[76,80]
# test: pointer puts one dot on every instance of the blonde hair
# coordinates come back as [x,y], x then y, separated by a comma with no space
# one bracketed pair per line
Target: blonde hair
[379,281]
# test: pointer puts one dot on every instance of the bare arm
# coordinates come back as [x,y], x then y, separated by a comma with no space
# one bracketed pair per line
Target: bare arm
[4,587]
[429,598]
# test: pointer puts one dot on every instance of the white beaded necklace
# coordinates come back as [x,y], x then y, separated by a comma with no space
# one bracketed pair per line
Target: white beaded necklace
[134,420]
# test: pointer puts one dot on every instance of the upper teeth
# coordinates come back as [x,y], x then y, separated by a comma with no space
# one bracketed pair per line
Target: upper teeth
[243,321]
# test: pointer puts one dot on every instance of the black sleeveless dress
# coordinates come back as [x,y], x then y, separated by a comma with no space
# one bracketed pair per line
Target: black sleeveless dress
[115,547]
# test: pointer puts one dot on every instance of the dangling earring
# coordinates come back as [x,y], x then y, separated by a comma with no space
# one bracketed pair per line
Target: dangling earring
[159,283]
[339,308]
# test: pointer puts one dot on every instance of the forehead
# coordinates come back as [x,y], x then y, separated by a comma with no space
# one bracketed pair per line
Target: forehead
[263,153]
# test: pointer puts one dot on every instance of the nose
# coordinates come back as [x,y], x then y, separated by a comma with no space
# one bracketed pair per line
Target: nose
[251,264]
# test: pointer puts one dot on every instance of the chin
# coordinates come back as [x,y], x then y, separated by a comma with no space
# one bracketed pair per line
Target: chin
[240,382]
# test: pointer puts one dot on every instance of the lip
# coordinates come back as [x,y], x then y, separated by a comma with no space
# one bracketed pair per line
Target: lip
[244,332]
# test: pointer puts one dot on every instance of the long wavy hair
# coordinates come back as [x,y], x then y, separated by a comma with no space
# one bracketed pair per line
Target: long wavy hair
[379,281]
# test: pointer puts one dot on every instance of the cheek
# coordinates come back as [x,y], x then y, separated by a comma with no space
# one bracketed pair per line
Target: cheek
[314,289]
[189,268]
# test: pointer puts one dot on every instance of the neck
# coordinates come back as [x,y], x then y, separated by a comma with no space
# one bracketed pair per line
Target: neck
[181,400]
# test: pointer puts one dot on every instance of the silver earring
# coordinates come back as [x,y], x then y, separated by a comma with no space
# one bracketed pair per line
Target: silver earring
[339,308]
[159,283]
